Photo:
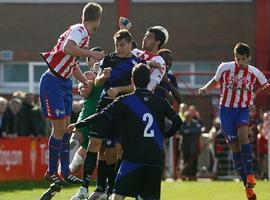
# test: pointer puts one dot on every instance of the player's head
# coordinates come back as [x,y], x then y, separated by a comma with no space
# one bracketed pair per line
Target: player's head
[92,13]
[140,75]
[166,54]
[241,54]
[123,43]
[154,38]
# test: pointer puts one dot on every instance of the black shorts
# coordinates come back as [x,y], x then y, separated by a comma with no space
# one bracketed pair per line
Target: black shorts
[106,130]
[135,179]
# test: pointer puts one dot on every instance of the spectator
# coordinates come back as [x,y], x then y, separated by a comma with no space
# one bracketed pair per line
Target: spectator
[18,94]
[3,106]
[11,123]
[262,148]
[26,118]
[183,107]
[191,131]
[41,126]
[196,115]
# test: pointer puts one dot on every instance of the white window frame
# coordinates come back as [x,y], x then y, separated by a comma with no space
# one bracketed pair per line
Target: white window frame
[192,69]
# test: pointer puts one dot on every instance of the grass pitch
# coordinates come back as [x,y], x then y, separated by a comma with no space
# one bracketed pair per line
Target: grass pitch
[177,190]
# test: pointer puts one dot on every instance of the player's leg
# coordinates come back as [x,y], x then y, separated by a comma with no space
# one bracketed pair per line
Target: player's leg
[238,161]
[88,167]
[111,162]
[75,141]
[245,146]
[151,183]
[52,104]
[127,179]
[65,146]
[119,156]
[78,160]
[80,155]
[246,151]
[227,118]
[101,175]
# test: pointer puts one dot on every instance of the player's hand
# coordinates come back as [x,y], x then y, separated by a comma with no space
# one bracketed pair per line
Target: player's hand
[90,61]
[107,72]
[86,84]
[165,78]
[202,91]
[124,23]
[71,128]
[97,55]
[112,92]
[156,65]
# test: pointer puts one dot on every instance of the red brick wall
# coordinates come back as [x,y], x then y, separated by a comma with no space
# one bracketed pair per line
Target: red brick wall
[198,31]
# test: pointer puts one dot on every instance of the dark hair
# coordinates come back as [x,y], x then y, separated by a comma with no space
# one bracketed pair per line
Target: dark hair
[166,54]
[141,75]
[96,49]
[123,34]
[93,49]
[241,49]
[91,12]
[159,35]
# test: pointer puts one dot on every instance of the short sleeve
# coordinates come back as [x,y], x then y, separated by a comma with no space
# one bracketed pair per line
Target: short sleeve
[219,72]
[76,35]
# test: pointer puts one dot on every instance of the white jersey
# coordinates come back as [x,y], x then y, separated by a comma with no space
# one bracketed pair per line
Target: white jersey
[237,84]
[61,63]
[156,75]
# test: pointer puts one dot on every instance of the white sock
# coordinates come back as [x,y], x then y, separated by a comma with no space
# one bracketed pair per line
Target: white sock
[76,162]
[74,146]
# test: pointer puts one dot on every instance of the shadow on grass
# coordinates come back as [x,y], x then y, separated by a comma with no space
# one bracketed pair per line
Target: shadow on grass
[28,185]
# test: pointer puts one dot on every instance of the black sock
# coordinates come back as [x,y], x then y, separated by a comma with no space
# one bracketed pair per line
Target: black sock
[101,176]
[88,167]
[111,177]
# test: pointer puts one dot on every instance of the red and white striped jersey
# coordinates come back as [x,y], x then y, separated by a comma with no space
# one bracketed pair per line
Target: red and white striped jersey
[237,84]
[60,62]
[156,74]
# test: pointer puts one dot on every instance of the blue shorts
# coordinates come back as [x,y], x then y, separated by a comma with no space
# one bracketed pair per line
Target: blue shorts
[231,119]
[55,96]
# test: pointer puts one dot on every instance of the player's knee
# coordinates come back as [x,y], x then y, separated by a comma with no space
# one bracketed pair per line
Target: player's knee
[94,144]
[59,132]
[243,138]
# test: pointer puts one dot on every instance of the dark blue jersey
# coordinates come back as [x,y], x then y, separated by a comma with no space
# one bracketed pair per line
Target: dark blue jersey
[140,118]
[121,70]
[163,86]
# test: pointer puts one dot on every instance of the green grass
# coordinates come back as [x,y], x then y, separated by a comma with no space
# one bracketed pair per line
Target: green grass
[178,190]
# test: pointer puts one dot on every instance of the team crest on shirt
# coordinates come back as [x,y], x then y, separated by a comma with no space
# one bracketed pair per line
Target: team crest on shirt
[58,112]
[145,98]
[235,83]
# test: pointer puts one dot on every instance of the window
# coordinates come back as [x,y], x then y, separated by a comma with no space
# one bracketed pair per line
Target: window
[15,72]
[193,74]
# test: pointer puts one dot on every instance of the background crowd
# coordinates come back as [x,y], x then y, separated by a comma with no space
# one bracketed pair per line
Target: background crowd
[21,116]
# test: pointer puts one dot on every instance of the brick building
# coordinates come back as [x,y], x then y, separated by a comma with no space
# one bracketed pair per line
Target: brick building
[202,34]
